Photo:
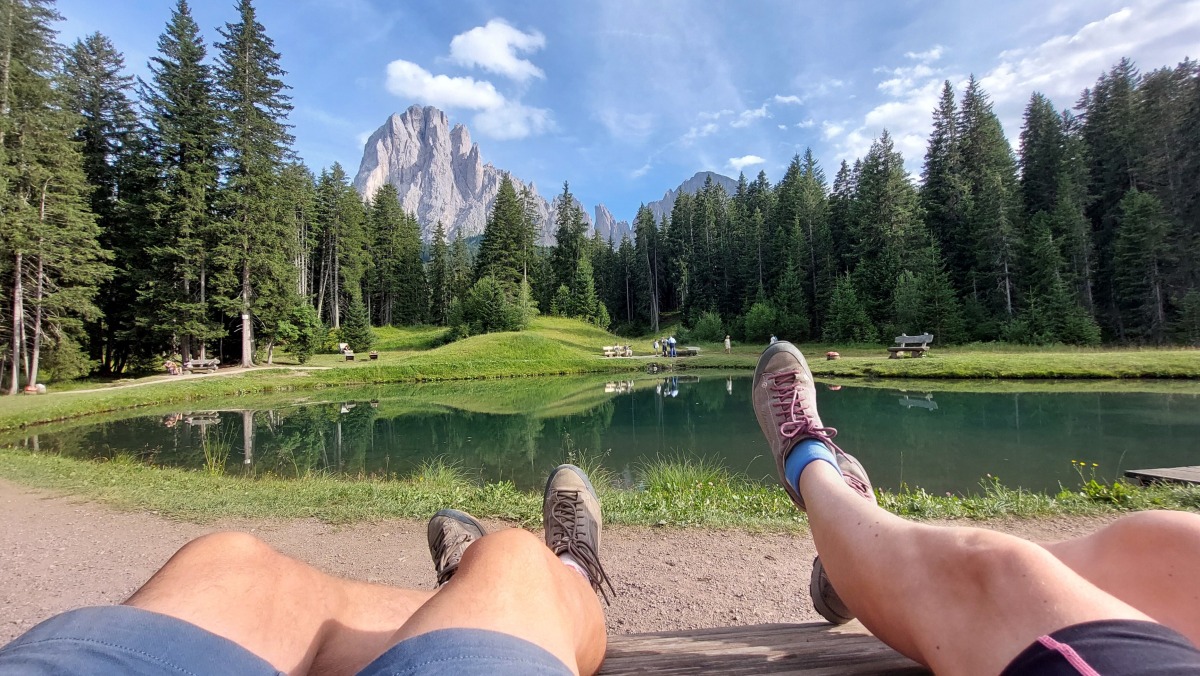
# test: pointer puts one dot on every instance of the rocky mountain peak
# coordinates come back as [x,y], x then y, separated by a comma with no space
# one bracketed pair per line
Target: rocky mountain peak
[437,171]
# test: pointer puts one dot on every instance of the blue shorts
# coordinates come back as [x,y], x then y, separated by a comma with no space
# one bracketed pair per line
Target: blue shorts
[125,640]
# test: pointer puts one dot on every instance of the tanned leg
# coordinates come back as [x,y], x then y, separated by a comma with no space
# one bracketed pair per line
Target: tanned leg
[287,612]
[510,582]
[959,600]
[1149,560]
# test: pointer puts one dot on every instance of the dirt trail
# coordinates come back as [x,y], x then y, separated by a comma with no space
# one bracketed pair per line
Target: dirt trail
[59,552]
[225,371]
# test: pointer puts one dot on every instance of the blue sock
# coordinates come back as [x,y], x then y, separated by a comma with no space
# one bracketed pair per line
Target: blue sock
[805,452]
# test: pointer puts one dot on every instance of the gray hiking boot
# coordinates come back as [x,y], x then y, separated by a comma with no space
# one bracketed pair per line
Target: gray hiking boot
[571,515]
[785,403]
[450,532]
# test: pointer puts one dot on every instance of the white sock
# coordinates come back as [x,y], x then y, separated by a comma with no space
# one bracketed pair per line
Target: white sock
[570,562]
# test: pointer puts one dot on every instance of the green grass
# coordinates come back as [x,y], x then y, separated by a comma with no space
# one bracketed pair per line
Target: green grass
[556,346]
[675,491]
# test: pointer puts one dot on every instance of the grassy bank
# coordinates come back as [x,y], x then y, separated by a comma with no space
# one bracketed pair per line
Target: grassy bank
[555,346]
[671,492]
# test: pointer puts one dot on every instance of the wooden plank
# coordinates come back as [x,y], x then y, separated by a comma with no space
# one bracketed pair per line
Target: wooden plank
[811,649]
[1185,475]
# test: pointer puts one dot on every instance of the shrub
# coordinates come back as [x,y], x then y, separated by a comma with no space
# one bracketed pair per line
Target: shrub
[356,330]
[761,322]
[708,328]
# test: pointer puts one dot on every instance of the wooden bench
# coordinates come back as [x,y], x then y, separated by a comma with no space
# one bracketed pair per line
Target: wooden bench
[374,354]
[810,648]
[349,355]
[913,346]
[206,365]
[618,351]
[687,351]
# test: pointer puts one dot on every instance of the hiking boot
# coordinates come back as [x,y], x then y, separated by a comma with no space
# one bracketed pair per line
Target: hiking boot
[825,598]
[785,403]
[571,514]
[450,532]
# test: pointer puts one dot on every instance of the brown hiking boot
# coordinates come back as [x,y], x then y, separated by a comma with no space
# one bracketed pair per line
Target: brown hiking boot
[785,403]
[450,532]
[571,514]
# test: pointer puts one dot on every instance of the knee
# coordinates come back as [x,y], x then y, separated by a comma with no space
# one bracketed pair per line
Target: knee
[229,549]
[983,557]
[515,546]
[1165,526]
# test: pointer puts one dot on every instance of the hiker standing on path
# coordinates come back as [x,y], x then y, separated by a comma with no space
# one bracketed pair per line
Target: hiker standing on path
[671,341]
[728,345]
[507,603]
[1124,600]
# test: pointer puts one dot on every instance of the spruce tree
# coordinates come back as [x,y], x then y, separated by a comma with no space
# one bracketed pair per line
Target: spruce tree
[344,260]
[1141,256]
[179,109]
[439,277]
[98,90]
[253,251]
[847,320]
[501,249]
[356,331]
[48,235]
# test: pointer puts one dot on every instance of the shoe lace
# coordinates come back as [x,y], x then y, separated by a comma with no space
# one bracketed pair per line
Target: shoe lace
[449,546]
[569,532]
[788,397]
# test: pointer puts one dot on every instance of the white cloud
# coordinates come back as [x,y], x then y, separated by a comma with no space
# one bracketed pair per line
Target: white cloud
[783,127]
[791,98]
[513,121]
[698,132]
[408,80]
[715,116]
[628,127]
[494,48]
[932,54]
[806,124]
[740,163]
[831,130]
[640,171]
[748,116]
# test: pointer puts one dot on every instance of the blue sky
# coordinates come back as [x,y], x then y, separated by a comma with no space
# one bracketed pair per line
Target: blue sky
[627,98]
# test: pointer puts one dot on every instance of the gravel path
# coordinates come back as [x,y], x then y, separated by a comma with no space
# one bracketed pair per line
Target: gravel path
[59,552]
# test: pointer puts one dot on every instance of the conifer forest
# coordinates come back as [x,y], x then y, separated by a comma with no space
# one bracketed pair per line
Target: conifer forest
[168,215]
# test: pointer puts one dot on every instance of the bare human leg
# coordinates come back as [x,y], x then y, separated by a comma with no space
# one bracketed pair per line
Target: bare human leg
[509,581]
[1148,560]
[959,600]
[285,611]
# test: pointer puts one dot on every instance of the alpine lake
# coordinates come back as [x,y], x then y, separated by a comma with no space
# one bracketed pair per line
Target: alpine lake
[939,436]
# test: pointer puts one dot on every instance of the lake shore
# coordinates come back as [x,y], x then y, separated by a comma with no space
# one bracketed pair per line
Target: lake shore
[671,493]
[60,552]
[555,346]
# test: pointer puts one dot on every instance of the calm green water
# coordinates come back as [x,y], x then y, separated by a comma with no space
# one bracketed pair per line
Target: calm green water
[517,430]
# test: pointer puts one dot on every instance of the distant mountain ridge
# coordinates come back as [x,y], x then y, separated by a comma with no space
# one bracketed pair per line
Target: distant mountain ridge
[440,175]
[691,186]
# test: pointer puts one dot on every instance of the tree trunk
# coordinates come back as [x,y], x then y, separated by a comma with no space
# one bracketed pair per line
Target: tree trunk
[6,65]
[247,326]
[203,300]
[247,437]
[36,356]
[18,322]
